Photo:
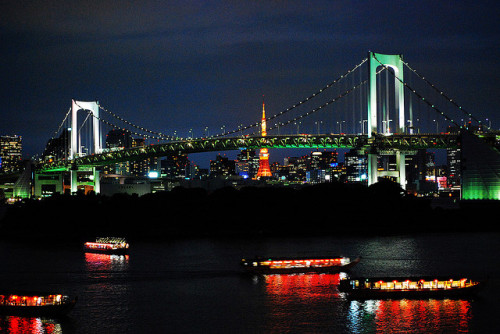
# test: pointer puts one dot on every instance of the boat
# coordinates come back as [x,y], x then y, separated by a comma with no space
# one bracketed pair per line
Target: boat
[409,287]
[25,303]
[286,265]
[108,246]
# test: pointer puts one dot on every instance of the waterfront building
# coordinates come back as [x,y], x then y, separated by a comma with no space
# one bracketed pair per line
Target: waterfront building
[58,148]
[247,164]
[454,167]
[118,139]
[356,166]
[316,176]
[146,166]
[222,166]
[10,153]
[177,166]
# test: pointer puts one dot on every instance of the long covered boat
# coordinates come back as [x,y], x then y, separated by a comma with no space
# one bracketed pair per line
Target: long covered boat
[409,287]
[26,303]
[107,246]
[285,265]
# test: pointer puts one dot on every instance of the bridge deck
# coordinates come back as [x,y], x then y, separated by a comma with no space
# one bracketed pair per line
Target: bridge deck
[377,143]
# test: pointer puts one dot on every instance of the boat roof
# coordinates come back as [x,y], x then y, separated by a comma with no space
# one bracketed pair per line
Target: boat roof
[408,278]
[290,258]
[30,293]
[110,240]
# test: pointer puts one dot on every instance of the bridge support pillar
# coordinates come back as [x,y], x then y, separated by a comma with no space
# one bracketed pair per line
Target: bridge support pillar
[395,62]
[94,181]
[399,173]
[47,184]
[372,168]
[401,163]
[73,181]
[97,180]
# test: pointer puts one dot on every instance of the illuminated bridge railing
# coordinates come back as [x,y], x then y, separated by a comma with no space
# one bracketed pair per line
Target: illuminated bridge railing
[414,142]
[339,141]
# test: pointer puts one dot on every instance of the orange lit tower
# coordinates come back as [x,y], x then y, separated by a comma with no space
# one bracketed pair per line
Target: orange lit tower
[264,169]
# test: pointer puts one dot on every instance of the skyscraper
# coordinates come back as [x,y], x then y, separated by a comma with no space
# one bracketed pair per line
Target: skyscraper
[264,169]
[10,153]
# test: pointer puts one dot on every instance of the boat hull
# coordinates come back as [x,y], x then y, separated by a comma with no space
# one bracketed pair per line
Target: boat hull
[120,251]
[264,270]
[451,293]
[38,311]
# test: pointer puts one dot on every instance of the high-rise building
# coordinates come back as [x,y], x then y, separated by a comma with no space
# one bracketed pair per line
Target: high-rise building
[356,163]
[264,168]
[222,166]
[118,139]
[143,167]
[58,148]
[177,167]
[247,164]
[454,167]
[11,149]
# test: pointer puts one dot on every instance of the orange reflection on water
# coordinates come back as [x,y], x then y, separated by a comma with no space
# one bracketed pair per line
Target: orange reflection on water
[24,325]
[103,262]
[411,316]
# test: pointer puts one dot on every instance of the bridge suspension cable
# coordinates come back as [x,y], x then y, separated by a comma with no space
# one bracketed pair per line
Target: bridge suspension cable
[125,129]
[335,99]
[298,104]
[432,106]
[62,123]
[159,135]
[443,94]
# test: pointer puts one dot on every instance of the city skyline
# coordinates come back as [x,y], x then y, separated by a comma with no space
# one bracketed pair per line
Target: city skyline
[202,65]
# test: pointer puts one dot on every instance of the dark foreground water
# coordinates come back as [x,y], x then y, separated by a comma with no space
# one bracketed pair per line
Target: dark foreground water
[195,286]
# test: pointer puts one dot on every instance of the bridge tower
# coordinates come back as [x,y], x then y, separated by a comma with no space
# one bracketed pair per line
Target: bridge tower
[264,169]
[75,145]
[395,62]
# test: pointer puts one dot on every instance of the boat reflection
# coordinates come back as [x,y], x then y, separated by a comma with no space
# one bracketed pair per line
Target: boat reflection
[106,262]
[302,286]
[24,325]
[292,302]
[409,316]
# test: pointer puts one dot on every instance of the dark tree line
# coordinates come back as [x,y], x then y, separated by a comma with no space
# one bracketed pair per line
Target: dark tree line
[324,209]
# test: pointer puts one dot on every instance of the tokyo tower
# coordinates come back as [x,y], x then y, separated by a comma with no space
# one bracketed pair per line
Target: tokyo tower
[264,169]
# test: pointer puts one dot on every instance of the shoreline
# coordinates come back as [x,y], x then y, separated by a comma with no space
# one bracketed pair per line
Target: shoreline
[320,210]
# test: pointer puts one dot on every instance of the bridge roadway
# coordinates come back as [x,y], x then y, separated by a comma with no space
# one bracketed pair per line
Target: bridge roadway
[375,144]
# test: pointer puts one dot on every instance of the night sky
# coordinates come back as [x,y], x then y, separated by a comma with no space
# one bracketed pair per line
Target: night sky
[198,63]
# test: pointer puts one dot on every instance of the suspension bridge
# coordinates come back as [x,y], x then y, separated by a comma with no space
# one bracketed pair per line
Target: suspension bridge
[381,106]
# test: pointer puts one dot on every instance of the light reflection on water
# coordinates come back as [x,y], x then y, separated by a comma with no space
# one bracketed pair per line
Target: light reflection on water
[24,325]
[196,286]
[409,316]
[106,262]
[298,301]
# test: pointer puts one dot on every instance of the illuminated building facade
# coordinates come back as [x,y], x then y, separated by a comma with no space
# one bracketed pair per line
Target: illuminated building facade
[10,153]
[177,167]
[356,163]
[58,148]
[222,166]
[454,167]
[247,164]
[118,140]
[264,168]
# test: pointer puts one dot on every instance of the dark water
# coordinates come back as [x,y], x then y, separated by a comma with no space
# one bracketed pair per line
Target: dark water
[195,286]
